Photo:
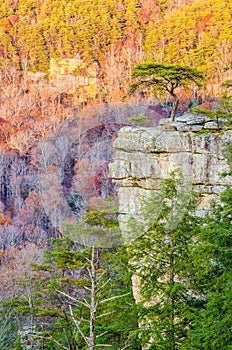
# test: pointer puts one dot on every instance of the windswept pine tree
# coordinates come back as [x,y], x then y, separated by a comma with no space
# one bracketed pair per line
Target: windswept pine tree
[161,78]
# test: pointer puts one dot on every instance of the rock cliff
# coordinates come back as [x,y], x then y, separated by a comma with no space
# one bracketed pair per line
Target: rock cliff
[146,156]
[73,76]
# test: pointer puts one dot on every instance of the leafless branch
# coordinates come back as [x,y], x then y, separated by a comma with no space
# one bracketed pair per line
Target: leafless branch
[104,284]
[112,298]
[78,326]
[97,345]
[101,335]
[74,299]
[106,313]
[50,338]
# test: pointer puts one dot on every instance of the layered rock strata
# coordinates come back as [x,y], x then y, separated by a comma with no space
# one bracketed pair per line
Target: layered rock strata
[144,157]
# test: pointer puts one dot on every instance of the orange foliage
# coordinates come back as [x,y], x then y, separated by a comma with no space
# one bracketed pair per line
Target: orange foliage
[201,26]
[6,219]
[145,14]
[184,99]
[2,219]
[13,19]
[206,105]
[5,128]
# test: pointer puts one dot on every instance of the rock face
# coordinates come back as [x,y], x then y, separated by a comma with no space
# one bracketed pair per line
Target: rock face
[146,156]
[73,76]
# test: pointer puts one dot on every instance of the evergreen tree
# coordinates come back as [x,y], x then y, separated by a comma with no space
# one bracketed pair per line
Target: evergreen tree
[84,296]
[213,275]
[161,259]
[9,324]
[164,78]
[99,227]
[222,115]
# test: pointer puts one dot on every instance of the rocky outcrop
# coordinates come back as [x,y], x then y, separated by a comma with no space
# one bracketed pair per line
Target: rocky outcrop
[145,156]
[73,76]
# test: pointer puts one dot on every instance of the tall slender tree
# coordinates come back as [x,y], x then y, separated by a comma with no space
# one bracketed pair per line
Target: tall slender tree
[161,259]
[84,296]
[213,274]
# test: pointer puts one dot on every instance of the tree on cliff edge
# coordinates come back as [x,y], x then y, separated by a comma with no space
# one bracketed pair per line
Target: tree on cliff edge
[164,78]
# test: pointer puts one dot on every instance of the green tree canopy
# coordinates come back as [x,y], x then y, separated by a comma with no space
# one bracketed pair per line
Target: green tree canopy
[164,78]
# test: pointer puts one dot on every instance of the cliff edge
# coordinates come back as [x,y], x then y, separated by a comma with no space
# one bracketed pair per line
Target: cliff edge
[146,156]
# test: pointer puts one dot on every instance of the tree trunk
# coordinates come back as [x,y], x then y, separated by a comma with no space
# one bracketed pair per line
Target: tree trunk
[93,302]
[174,107]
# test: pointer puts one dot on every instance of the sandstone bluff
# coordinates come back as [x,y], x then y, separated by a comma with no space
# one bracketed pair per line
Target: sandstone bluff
[145,156]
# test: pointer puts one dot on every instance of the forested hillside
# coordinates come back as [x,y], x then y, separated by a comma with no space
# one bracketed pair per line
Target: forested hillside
[37,117]
[58,122]
[118,34]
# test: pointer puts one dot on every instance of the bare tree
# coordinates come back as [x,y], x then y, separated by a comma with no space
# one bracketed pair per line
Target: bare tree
[92,302]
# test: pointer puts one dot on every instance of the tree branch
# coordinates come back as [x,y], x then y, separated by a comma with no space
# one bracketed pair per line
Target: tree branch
[74,299]
[78,326]
[106,313]
[112,298]
[50,338]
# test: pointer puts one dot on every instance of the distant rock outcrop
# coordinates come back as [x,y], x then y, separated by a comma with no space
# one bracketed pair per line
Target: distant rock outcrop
[73,76]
